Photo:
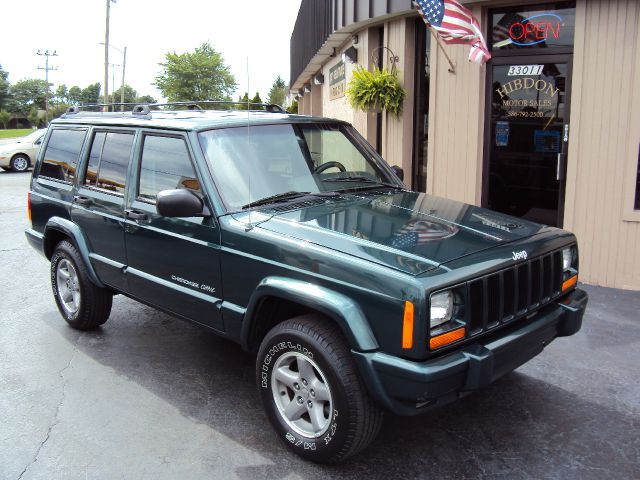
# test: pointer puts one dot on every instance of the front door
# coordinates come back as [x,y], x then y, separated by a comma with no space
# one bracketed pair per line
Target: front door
[529,128]
[173,263]
[528,90]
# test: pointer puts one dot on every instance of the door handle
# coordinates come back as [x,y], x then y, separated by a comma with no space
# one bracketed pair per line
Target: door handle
[82,200]
[560,167]
[136,215]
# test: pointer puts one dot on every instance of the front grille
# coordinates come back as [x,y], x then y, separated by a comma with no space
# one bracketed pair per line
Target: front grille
[512,293]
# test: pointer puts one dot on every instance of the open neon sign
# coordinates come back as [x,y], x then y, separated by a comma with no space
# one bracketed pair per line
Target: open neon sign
[531,32]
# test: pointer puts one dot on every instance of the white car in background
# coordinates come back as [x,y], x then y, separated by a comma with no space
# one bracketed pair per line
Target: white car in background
[20,155]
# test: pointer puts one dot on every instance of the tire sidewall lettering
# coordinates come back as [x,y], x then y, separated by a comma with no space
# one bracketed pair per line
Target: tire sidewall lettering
[292,438]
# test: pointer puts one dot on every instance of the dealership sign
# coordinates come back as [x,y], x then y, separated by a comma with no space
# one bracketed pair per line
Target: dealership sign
[535,29]
[337,81]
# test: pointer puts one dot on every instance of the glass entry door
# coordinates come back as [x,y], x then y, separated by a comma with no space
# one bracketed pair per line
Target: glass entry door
[529,133]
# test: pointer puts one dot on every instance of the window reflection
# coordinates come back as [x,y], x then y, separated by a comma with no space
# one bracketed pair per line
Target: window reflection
[165,166]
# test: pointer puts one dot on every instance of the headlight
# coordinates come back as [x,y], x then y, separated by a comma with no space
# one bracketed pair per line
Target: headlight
[569,257]
[441,308]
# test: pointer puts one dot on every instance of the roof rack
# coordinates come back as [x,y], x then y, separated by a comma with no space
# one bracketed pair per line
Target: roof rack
[145,109]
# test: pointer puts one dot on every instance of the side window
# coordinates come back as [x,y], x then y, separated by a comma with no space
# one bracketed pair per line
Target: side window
[637,201]
[108,161]
[61,157]
[165,165]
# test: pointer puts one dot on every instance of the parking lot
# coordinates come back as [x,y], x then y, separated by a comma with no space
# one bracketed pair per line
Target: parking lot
[150,396]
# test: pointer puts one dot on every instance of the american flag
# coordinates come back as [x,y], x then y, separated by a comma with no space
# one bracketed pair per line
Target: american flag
[419,232]
[455,24]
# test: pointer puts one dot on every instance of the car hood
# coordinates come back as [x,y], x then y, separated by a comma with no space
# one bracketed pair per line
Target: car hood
[408,231]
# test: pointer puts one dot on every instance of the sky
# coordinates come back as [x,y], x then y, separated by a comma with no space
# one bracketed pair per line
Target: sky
[257,30]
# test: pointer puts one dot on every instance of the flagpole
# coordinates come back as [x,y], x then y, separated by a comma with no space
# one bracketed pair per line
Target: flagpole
[452,68]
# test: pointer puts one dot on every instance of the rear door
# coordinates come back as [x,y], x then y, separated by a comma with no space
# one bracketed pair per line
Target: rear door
[98,205]
[173,263]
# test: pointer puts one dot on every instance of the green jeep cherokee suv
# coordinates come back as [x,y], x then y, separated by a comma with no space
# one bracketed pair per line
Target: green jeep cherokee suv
[291,236]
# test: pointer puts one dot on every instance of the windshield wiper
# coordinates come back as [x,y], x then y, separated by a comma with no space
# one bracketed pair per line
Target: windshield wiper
[280,197]
[360,179]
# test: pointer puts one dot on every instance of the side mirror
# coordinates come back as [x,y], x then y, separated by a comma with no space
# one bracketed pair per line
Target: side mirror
[398,171]
[180,203]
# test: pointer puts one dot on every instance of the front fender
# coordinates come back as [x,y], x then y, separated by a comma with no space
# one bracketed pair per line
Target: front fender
[72,231]
[344,311]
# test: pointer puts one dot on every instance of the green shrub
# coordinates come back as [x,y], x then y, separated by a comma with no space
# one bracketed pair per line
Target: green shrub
[375,90]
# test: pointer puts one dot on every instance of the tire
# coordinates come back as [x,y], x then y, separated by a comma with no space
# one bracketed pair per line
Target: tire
[312,346]
[81,303]
[20,163]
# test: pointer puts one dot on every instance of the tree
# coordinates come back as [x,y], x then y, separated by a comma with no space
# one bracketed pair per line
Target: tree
[91,94]
[130,95]
[278,92]
[201,75]
[5,93]
[243,100]
[62,95]
[75,95]
[256,99]
[293,108]
[34,117]
[28,93]
[4,118]
[146,99]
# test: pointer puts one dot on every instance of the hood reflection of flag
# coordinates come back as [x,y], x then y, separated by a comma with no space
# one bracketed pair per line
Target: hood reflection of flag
[420,232]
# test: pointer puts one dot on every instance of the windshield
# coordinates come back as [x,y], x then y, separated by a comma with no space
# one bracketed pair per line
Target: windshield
[275,159]
[32,137]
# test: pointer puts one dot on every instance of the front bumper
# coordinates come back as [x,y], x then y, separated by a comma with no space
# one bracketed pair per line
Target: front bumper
[409,388]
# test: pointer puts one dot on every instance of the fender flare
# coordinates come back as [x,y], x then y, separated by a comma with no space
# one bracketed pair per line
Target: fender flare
[343,310]
[73,231]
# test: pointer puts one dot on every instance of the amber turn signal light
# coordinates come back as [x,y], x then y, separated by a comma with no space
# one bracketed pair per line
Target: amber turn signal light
[407,326]
[29,205]
[446,338]
[570,282]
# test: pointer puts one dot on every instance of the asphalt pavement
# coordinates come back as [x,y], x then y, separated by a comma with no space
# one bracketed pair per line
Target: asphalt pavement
[148,396]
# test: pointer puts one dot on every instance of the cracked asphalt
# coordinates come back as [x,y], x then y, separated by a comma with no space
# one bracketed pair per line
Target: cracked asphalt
[151,397]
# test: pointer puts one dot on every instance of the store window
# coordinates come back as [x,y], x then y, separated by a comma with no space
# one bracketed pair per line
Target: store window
[637,202]
[421,112]
[533,28]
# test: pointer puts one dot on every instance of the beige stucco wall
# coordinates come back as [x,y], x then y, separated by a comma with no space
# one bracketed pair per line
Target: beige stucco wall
[339,108]
[397,133]
[456,120]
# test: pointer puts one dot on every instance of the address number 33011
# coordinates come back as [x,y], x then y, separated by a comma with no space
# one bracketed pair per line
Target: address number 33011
[515,70]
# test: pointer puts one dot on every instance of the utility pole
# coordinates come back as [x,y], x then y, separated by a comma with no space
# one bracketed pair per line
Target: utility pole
[106,56]
[46,69]
[124,65]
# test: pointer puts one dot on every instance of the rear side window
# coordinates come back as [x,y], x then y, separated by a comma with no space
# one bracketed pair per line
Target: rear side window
[108,161]
[62,153]
[165,165]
